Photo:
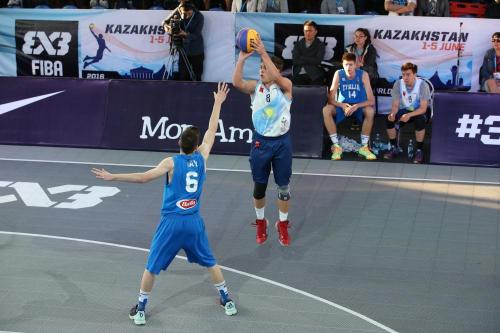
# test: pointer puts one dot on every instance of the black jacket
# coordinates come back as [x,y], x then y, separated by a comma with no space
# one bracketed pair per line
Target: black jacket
[308,57]
[193,43]
[442,8]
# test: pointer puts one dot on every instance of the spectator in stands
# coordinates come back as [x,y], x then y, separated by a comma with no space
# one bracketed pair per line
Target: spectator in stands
[366,54]
[305,6]
[439,8]
[69,4]
[170,4]
[490,70]
[244,6]
[307,55]
[410,98]
[99,4]
[198,4]
[370,7]
[191,26]
[350,95]
[14,4]
[493,9]
[338,7]
[272,6]
[220,5]
[400,7]
[173,4]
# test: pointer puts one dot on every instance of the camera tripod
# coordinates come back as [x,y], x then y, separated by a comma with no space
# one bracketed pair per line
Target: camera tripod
[176,54]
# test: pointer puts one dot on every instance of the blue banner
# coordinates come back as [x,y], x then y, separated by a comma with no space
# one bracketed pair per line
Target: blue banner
[105,44]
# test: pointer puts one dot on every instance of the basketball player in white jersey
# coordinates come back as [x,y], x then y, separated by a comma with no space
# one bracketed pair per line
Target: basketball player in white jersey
[271,98]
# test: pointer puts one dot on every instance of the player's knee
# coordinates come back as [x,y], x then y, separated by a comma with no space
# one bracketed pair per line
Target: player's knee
[259,191]
[369,112]
[328,110]
[389,124]
[419,123]
[284,193]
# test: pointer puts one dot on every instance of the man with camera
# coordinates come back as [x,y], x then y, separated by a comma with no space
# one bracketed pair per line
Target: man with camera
[184,25]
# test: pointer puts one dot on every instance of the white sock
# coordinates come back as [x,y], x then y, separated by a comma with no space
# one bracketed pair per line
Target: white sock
[143,299]
[143,295]
[260,213]
[222,289]
[334,138]
[283,216]
[364,139]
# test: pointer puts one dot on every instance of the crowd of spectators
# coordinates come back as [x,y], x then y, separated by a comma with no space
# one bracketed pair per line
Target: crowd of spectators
[349,7]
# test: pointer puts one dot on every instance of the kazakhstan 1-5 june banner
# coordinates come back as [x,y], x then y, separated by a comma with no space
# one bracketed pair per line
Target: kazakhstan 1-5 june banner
[104,44]
[448,51]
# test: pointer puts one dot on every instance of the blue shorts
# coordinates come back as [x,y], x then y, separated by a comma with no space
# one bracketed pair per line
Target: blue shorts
[176,232]
[271,152]
[340,116]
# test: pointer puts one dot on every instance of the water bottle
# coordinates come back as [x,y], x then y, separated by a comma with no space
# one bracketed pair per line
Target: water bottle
[411,150]
[376,144]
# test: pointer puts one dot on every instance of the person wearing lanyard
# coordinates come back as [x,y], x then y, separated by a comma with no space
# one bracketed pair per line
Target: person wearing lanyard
[244,6]
[338,7]
[489,75]
[192,40]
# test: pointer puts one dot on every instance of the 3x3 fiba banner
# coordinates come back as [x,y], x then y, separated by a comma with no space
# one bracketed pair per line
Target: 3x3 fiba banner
[46,48]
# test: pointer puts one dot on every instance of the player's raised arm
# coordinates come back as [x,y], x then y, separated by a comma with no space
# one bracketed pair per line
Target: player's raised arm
[245,86]
[139,177]
[284,83]
[213,123]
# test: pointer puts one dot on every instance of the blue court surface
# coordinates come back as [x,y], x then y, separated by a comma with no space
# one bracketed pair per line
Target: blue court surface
[376,247]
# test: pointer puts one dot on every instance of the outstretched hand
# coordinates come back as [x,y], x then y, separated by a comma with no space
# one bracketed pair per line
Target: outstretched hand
[222,91]
[102,174]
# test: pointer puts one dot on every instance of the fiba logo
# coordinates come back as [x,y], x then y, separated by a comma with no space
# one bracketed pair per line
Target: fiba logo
[48,48]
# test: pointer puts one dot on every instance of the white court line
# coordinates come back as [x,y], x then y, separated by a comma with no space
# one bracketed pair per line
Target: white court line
[281,285]
[248,171]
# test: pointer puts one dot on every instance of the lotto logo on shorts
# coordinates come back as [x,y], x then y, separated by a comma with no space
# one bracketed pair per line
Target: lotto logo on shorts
[186,204]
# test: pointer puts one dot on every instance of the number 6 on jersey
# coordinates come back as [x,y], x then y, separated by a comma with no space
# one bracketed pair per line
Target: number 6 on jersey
[191,182]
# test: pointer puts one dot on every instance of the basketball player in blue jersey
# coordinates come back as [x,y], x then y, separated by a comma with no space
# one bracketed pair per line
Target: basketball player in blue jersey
[350,95]
[181,226]
[271,98]
[410,98]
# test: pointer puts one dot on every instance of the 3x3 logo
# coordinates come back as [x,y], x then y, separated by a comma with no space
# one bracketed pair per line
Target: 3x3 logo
[33,195]
[56,44]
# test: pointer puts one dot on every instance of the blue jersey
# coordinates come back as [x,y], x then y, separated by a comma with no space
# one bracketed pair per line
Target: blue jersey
[182,192]
[351,91]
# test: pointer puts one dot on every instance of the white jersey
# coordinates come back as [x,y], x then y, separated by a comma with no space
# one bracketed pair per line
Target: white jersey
[410,100]
[270,110]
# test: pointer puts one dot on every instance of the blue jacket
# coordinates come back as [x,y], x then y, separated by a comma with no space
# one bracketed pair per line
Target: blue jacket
[488,67]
